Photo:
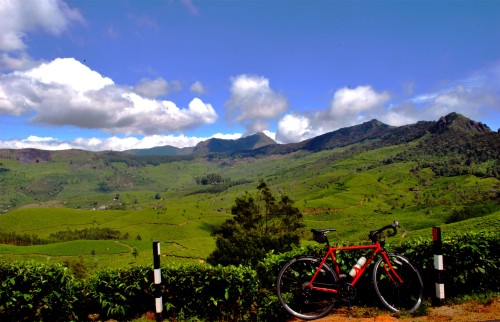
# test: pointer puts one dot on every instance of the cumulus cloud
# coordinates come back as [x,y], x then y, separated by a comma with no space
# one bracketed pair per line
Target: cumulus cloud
[152,88]
[67,72]
[66,92]
[353,102]
[112,143]
[16,61]
[294,128]
[349,106]
[253,103]
[21,17]
[197,88]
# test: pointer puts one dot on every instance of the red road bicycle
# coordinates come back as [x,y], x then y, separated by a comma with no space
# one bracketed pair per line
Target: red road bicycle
[309,288]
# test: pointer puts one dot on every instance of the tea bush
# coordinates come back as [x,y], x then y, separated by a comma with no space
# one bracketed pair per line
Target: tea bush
[120,294]
[34,292]
[471,261]
[38,292]
[210,293]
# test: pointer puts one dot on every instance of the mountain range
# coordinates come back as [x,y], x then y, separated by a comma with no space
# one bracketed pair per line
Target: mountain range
[371,131]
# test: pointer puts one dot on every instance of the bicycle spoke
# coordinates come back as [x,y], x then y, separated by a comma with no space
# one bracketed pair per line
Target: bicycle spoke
[294,291]
[396,295]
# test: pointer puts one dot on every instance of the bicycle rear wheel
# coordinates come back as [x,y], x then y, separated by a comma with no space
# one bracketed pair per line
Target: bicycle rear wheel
[296,297]
[396,296]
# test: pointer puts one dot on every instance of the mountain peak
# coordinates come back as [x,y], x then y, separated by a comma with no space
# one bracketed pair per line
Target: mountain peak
[250,142]
[459,122]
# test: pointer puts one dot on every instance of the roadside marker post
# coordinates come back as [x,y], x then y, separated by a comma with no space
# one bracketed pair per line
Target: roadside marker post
[157,281]
[439,298]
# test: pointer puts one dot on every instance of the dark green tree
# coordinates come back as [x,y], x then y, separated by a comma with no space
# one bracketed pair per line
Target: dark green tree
[261,223]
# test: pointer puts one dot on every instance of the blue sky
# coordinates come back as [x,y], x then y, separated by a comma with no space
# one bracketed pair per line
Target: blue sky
[118,74]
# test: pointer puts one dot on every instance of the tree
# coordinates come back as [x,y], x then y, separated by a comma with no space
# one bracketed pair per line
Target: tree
[261,223]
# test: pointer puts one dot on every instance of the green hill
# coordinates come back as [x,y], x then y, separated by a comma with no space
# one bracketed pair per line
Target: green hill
[354,179]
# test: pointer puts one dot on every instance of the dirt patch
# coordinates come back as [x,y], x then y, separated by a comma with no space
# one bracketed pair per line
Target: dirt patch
[465,312]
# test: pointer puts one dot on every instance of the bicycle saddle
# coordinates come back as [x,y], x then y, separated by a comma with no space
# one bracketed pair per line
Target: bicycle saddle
[319,235]
[322,231]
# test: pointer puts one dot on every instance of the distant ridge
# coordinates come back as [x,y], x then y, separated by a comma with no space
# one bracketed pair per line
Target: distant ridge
[347,136]
[374,132]
[370,130]
[250,142]
[161,150]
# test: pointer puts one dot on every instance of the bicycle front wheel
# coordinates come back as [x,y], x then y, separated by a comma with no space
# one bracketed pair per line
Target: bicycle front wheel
[295,295]
[400,288]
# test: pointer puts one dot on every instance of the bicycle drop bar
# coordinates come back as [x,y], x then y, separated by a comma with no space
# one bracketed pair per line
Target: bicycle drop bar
[376,234]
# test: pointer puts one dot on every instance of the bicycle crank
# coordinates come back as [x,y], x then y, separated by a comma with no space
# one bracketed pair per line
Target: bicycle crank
[347,292]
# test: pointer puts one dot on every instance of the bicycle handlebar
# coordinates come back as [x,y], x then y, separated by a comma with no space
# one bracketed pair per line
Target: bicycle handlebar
[319,235]
[376,235]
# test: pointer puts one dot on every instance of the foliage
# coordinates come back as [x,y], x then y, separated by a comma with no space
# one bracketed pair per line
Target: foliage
[12,238]
[218,188]
[470,211]
[121,294]
[210,293]
[37,292]
[95,233]
[211,178]
[260,224]
[471,261]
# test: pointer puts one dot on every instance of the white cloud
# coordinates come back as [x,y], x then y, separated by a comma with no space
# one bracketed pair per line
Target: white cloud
[349,106]
[112,143]
[353,102]
[294,128]
[84,98]
[18,18]
[152,88]
[253,103]
[67,72]
[198,88]
[16,61]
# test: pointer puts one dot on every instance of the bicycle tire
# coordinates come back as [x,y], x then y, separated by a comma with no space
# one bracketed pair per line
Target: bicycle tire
[398,297]
[299,301]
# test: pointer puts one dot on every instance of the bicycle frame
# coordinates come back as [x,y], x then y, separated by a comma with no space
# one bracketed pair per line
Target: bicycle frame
[377,249]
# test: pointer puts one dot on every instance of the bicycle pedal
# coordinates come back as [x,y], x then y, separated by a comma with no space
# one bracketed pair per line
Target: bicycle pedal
[342,276]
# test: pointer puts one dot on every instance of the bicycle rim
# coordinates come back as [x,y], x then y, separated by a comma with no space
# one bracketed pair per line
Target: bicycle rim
[296,298]
[396,296]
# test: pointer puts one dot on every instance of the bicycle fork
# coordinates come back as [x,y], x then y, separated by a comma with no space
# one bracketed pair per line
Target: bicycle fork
[391,272]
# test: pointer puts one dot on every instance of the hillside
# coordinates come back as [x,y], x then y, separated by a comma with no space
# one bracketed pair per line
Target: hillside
[250,142]
[354,179]
[161,150]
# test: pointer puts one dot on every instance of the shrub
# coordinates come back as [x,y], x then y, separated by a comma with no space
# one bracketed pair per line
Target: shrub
[37,292]
[211,293]
[471,262]
[121,294]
